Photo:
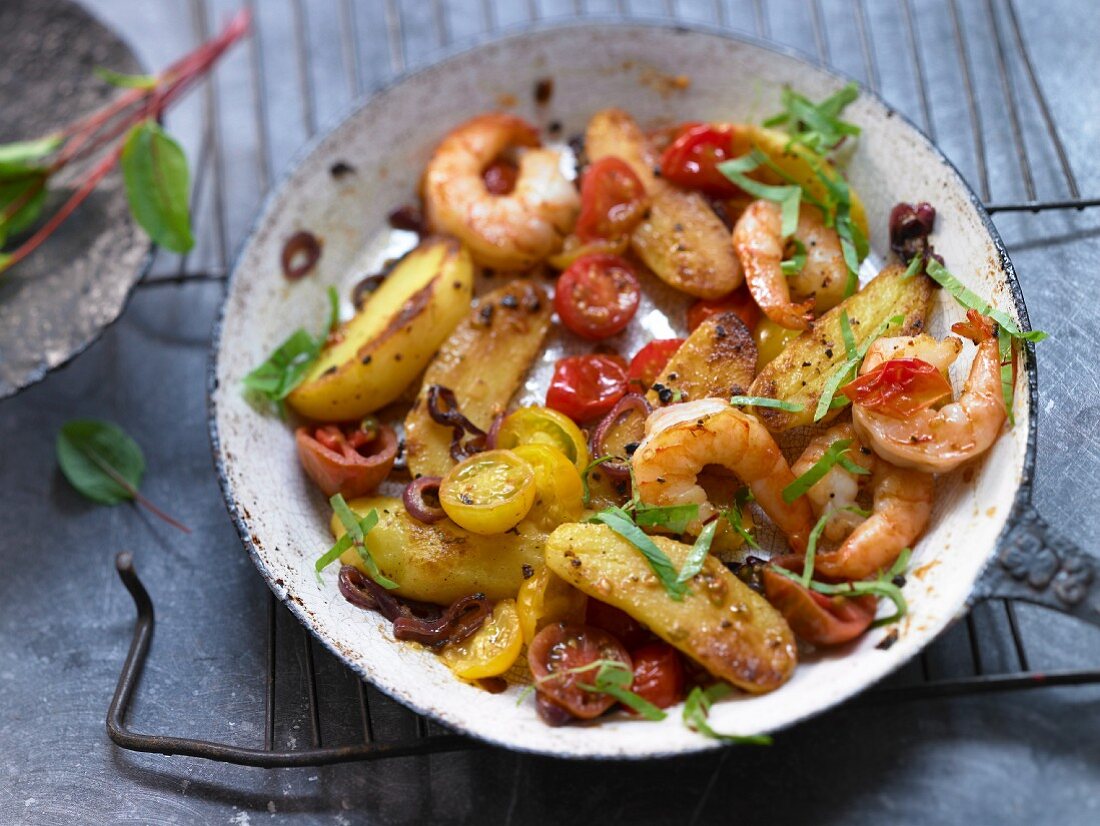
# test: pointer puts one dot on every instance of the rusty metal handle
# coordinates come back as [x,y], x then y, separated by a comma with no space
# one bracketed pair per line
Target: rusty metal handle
[1037,564]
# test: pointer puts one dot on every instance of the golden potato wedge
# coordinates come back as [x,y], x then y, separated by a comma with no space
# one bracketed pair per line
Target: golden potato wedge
[718,359]
[372,358]
[722,624]
[686,244]
[483,362]
[442,562]
[681,240]
[798,374]
[612,132]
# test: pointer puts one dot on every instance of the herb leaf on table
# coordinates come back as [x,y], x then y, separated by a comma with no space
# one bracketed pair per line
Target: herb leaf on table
[104,464]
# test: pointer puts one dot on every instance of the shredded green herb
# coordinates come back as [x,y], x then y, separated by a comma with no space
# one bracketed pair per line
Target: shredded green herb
[355,536]
[843,371]
[882,587]
[794,264]
[914,267]
[817,126]
[764,401]
[1005,346]
[586,496]
[673,518]
[614,679]
[557,675]
[789,197]
[697,709]
[735,515]
[287,366]
[815,535]
[698,554]
[834,454]
[972,301]
[620,521]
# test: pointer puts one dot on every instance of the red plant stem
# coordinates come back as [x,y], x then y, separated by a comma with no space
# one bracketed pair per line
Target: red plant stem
[119,480]
[172,82]
[91,180]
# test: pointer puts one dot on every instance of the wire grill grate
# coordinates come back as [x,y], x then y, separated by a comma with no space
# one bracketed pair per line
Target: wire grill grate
[390,36]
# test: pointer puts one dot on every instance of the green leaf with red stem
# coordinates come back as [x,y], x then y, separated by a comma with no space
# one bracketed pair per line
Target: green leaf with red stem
[104,464]
[158,185]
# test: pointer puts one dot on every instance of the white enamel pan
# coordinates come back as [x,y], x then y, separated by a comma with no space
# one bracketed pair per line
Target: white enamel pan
[984,538]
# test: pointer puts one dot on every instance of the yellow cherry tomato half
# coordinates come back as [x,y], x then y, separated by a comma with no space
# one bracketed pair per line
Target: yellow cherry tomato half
[771,339]
[544,598]
[488,492]
[492,649]
[559,492]
[543,426]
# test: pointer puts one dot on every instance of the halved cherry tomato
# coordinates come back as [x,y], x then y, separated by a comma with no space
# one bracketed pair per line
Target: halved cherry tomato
[618,623]
[597,296]
[558,650]
[500,177]
[489,492]
[692,159]
[740,301]
[559,491]
[658,674]
[544,598]
[771,339]
[492,649]
[543,426]
[899,388]
[613,200]
[649,362]
[814,617]
[351,462]
[586,387]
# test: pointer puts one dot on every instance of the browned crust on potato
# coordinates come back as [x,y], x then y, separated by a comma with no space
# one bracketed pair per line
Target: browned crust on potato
[717,360]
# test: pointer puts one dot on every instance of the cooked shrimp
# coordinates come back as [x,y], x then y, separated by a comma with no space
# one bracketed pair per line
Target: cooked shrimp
[824,276]
[682,439]
[838,488]
[758,242]
[513,231]
[938,441]
[902,505]
[940,354]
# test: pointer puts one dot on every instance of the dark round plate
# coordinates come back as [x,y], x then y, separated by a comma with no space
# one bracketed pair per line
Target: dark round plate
[57,302]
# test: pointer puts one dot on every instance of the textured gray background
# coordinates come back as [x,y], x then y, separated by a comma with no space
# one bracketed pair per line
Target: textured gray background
[65,621]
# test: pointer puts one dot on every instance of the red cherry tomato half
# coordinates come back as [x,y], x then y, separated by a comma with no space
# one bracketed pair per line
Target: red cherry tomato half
[597,296]
[617,623]
[692,159]
[500,177]
[586,387]
[613,200]
[658,674]
[649,362]
[351,462]
[899,388]
[816,618]
[555,654]
[740,301]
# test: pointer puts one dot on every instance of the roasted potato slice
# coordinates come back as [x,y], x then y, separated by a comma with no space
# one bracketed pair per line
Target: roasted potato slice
[442,562]
[798,374]
[483,362]
[718,359]
[681,240]
[375,356]
[612,132]
[722,624]
[686,244]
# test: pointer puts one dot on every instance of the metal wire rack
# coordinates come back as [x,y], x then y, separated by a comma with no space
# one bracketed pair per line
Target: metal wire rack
[1046,181]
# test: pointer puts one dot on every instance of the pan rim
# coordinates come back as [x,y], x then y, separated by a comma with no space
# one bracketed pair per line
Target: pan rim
[437,61]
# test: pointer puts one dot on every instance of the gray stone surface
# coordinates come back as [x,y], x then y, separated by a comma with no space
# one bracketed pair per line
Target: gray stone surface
[65,623]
